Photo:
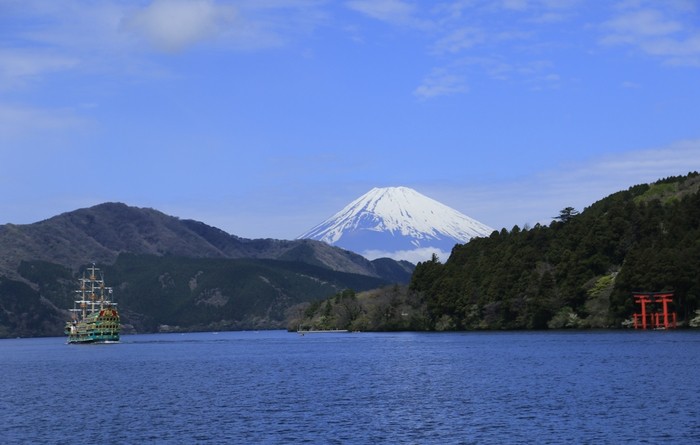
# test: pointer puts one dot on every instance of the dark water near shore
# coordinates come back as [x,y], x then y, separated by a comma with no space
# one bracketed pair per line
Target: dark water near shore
[406,388]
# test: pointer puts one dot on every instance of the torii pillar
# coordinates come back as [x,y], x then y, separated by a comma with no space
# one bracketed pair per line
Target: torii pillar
[643,300]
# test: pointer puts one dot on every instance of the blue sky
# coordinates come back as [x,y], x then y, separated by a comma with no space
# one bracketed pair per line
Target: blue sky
[265,117]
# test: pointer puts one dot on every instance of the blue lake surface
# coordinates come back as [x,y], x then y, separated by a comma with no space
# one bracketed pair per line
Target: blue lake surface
[274,387]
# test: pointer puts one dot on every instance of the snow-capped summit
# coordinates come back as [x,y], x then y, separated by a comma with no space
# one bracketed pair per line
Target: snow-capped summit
[397,222]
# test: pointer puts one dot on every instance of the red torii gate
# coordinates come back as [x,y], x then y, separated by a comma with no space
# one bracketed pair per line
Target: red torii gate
[665,299]
[654,318]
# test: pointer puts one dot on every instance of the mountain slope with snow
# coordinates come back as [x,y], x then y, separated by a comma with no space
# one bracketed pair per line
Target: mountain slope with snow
[399,223]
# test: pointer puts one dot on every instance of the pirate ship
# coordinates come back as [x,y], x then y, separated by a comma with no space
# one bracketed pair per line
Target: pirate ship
[94,317]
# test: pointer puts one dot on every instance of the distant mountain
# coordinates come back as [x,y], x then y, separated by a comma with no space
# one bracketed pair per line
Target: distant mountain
[168,271]
[399,223]
[101,233]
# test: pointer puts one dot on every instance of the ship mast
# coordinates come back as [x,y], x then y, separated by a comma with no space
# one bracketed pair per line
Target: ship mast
[93,281]
[82,302]
[90,287]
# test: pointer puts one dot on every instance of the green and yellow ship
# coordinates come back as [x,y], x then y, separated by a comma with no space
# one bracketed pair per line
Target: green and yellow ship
[94,317]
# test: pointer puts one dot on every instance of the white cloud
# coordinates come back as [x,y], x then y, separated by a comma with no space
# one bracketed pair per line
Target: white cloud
[173,25]
[17,67]
[665,34]
[505,50]
[441,82]
[517,5]
[21,122]
[676,52]
[550,17]
[631,26]
[117,36]
[393,11]
[413,256]
[648,165]
[73,26]
[539,197]
[459,39]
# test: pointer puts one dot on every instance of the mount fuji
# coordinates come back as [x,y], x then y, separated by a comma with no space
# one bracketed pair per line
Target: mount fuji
[399,223]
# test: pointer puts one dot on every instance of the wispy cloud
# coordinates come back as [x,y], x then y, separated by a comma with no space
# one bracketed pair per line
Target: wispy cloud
[391,11]
[468,48]
[125,41]
[632,26]
[459,40]
[21,121]
[664,33]
[534,74]
[648,164]
[516,5]
[19,68]
[413,256]
[115,36]
[173,25]
[536,199]
[467,29]
[441,82]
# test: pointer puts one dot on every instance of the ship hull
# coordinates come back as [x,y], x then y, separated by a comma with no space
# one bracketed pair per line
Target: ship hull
[91,342]
[93,338]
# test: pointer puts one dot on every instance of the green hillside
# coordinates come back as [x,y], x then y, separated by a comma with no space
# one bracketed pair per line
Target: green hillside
[580,271]
[222,293]
[165,293]
[390,308]
[168,273]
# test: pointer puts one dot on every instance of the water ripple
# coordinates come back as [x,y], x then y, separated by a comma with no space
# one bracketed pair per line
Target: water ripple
[279,388]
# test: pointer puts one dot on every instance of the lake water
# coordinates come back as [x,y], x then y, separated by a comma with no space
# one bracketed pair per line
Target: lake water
[274,387]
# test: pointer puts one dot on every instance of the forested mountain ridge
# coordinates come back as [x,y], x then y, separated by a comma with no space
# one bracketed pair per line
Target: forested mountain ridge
[167,271]
[580,271]
[102,232]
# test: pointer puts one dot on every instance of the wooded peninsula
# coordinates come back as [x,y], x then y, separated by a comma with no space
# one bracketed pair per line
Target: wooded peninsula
[580,271]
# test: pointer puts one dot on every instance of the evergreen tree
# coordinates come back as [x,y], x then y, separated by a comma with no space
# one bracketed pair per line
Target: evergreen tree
[566,214]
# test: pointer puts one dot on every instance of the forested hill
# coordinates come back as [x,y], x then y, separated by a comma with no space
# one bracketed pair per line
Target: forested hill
[580,271]
[167,271]
[102,232]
